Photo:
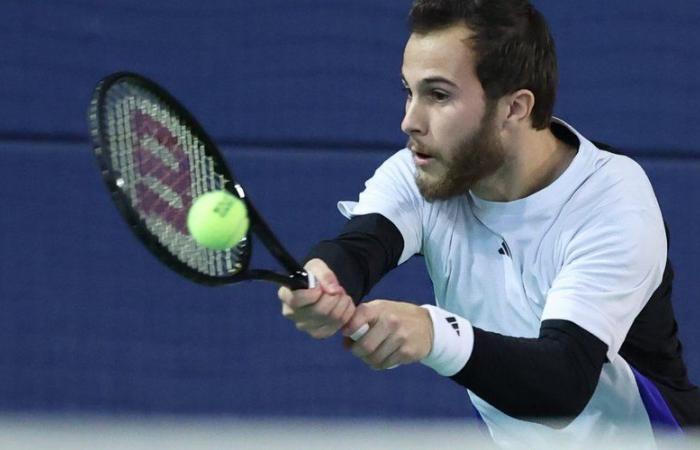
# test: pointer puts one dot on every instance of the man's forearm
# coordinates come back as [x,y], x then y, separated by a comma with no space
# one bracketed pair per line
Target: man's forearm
[552,376]
[368,247]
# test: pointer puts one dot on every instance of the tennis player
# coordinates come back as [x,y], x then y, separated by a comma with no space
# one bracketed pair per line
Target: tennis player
[547,252]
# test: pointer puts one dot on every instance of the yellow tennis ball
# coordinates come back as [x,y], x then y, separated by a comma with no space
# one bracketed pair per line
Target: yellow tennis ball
[218,220]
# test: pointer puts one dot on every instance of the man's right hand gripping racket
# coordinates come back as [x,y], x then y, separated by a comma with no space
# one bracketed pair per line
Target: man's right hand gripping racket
[156,161]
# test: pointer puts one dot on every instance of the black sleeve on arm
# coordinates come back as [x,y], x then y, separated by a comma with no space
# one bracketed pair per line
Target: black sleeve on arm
[551,377]
[368,247]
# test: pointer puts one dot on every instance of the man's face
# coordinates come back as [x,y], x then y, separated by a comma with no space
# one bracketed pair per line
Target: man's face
[451,126]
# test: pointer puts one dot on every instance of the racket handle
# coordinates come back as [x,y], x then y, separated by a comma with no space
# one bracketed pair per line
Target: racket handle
[311,280]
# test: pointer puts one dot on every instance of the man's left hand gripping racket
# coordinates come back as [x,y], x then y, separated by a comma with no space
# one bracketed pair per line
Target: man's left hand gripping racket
[156,160]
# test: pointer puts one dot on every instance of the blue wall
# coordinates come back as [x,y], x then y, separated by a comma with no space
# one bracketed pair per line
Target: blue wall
[305,98]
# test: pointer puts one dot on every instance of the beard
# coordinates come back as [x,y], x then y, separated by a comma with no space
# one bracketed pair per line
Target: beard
[474,158]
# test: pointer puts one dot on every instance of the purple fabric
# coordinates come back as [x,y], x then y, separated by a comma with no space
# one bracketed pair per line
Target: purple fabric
[659,413]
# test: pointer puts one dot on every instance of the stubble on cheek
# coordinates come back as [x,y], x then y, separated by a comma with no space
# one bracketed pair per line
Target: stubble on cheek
[475,157]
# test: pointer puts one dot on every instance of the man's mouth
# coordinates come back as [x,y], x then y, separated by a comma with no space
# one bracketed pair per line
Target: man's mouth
[419,157]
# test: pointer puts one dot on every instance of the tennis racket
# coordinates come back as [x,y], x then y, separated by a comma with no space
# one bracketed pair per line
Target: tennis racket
[156,160]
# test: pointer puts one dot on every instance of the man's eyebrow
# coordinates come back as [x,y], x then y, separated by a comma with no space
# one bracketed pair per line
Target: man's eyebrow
[432,80]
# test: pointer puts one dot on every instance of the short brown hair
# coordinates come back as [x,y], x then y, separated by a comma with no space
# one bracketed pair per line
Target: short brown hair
[513,45]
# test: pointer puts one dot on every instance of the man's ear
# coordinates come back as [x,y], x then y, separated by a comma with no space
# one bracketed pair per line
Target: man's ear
[519,106]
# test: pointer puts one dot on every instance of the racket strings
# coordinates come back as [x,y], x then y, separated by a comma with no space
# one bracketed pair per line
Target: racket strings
[162,166]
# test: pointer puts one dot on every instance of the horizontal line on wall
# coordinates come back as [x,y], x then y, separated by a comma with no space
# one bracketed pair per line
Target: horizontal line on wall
[79,139]
[267,144]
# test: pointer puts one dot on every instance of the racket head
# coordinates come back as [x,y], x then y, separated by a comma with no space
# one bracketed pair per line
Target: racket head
[156,159]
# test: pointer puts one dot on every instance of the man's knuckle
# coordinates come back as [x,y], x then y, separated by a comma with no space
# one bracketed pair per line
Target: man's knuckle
[392,322]
[401,336]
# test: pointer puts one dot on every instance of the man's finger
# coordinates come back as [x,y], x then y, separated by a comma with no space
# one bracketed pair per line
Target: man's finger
[348,313]
[284,293]
[342,311]
[325,277]
[370,342]
[384,351]
[304,297]
[287,311]
[359,320]
[393,361]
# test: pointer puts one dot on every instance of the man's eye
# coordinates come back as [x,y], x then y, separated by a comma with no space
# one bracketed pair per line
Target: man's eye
[439,96]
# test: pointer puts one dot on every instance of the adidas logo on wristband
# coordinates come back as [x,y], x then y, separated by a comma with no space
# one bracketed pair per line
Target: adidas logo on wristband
[453,340]
[452,321]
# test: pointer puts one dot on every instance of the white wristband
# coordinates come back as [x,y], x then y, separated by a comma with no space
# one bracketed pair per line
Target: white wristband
[453,341]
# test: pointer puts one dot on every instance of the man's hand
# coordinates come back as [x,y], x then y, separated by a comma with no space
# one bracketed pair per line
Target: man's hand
[399,333]
[320,311]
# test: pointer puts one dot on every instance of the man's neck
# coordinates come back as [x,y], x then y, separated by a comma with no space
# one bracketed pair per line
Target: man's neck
[534,161]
